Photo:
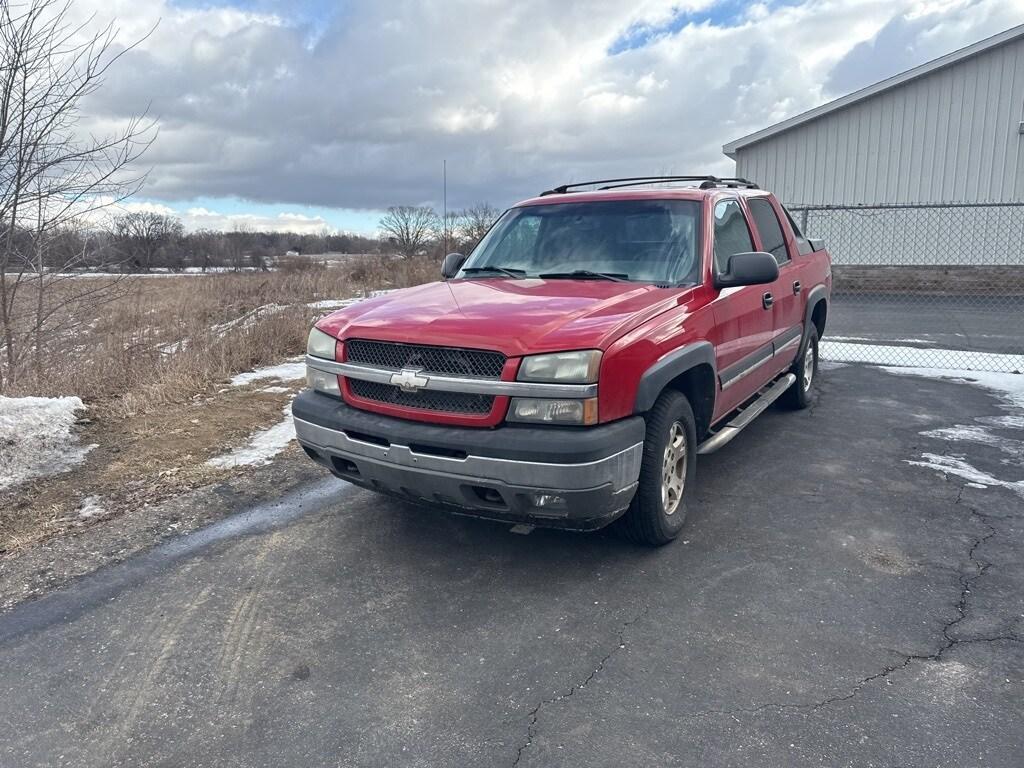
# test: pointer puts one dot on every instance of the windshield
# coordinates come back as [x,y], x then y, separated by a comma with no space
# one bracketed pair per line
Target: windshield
[642,240]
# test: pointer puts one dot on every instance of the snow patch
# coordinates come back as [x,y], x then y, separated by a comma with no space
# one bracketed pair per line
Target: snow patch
[290,371]
[90,508]
[36,437]
[892,355]
[977,434]
[958,465]
[1008,386]
[869,340]
[261,447]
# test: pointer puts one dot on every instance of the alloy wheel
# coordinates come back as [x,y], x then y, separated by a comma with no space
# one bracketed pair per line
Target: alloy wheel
[673,469]
[808,367]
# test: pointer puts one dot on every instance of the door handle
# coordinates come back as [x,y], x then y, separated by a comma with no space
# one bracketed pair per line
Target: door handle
[796,286]
[767,300]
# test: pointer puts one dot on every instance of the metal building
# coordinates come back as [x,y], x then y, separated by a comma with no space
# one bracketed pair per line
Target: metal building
[916,184]
[951,130]
[936,153]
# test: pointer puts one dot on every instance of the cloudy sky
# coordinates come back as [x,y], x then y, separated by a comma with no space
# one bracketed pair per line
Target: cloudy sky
[311,113]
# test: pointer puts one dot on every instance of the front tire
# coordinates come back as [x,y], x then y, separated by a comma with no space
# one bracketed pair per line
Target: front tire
[667,473]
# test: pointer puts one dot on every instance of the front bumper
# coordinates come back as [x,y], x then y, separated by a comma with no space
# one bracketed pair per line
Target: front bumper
[566,477]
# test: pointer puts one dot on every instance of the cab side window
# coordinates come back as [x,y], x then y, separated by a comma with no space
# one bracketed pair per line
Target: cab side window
[767,223]
[732,235]
[803,247]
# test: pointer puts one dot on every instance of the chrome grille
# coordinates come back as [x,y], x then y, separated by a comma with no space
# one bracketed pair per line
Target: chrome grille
[425,399]
[450,361]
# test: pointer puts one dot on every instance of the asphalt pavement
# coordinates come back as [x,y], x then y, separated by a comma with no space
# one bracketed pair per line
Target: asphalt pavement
[828,604]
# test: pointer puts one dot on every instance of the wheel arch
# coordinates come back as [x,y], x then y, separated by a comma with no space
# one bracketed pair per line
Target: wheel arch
[690,370]
[816,311]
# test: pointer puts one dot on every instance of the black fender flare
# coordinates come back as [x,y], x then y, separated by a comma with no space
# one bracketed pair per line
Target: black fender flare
[816,294]
[668,367]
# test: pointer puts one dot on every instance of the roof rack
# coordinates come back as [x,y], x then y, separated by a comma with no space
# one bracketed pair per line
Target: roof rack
[706,182]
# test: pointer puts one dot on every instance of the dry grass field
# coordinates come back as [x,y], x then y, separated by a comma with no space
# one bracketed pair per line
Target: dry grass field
[153,365]
[158,339]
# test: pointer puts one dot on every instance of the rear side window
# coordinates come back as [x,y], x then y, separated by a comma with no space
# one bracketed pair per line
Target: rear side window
[767,223]
[803,246]
[732,235]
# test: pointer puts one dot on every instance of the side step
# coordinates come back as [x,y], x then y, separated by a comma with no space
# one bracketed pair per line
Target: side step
[765,397]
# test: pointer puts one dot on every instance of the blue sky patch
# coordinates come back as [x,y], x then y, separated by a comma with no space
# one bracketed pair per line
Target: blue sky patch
[725,13]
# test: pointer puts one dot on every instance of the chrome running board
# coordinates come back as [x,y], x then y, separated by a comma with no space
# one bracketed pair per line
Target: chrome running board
[764,397]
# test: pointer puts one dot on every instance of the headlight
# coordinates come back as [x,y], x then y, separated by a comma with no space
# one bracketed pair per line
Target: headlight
[562,367]
[321,344]
[544,411]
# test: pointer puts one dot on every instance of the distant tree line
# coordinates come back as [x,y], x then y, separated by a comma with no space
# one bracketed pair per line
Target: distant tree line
[143,241]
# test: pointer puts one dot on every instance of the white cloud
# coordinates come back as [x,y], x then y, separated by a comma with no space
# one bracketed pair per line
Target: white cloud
[359,113]
[201,218]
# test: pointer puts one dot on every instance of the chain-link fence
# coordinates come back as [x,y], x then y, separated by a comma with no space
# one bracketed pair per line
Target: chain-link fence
[937,286]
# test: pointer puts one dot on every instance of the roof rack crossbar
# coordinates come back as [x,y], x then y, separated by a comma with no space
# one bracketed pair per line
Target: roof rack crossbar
[739,181]
[707,182]
[626,181]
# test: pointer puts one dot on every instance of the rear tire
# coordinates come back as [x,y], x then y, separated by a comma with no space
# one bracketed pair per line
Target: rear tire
[805,368]
[667,473]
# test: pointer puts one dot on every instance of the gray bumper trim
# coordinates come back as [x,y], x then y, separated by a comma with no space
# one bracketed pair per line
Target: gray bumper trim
[620,470]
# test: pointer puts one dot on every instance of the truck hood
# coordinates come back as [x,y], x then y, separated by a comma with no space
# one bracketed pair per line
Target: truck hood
[515,317]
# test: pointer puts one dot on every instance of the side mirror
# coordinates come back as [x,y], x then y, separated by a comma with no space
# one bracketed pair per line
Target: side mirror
[451,265]
[816,243]
[754,268]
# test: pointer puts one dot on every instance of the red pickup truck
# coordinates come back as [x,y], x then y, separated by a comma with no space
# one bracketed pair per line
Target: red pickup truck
[570,370]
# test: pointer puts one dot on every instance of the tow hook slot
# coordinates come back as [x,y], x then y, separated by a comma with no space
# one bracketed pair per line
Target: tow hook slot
[345,466]
[488,495]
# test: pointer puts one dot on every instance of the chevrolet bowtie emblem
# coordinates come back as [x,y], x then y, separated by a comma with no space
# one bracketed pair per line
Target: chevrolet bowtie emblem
[409,380]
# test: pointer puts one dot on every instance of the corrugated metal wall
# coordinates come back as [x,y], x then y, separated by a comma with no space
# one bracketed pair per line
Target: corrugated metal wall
[950,136]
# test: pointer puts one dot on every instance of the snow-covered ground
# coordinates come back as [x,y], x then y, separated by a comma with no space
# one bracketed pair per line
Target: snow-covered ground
[90,507]
[161,272]
[894,354]
[1004,432]
[291,370]
[36,437]
[262,446]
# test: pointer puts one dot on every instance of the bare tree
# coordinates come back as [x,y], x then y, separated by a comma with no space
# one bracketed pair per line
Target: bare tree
[140,235]
[475,223]
[51,175]
[409,228]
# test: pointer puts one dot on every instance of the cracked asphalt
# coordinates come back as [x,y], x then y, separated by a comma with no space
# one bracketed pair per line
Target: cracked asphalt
[828,604]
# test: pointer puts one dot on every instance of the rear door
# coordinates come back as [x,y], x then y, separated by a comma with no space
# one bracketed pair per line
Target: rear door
[743,324]
[787,293]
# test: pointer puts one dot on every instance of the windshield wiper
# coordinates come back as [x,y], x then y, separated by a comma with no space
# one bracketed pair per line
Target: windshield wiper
[507,271]
[586,274]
